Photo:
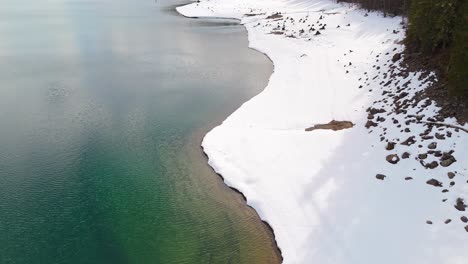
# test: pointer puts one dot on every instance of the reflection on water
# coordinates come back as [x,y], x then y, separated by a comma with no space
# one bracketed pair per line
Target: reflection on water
[103,104]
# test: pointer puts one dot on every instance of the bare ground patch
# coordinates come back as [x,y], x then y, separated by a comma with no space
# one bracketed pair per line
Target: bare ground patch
[332,125]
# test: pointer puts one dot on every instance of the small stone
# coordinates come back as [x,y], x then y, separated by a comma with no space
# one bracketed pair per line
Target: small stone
[380,119]
[390,146]
[429,222]
[370,124]
[408,178]
[448,221]
[396,57]
[374,111]
[422,156]
[432,165]
[452,183]
[439,136]
[445,191]
[380,176]
[448,156]
[434,182]
[464,219]
[405,155]
[433,145]
[393,158]
[451,175]
[409,141]
[446,163]
[460,205]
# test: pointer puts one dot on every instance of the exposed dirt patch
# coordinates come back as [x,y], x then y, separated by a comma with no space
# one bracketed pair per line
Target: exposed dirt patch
[253,14]
[274,16]
[332,125]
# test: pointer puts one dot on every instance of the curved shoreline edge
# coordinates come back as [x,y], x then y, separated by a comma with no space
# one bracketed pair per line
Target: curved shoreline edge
[318,191]
[264,222]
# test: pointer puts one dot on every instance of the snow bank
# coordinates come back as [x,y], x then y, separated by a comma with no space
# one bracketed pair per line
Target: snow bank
[318,190]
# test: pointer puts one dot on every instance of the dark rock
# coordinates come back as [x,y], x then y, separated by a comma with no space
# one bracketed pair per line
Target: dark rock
[466,228]
[409,141]
[370,124]
[434,182]
[390,146]
[396,57]
[460,205]
[405,155]
[380,176]
[448,221]
[429,222]
[422,156]
[408,178]
[433,145]
[393,158]
[451,175]
[464,219]
[439,136]
[447,162]
[426,137]
[317,33]
[445,191]
[374,111]
[380,119]
[432,165]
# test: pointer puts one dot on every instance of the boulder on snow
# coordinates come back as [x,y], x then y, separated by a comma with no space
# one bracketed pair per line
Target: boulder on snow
[380,176]
[451,175]
[434,182]
[396,57]
[390,146]
[431,165]
[460,205]
[393,158]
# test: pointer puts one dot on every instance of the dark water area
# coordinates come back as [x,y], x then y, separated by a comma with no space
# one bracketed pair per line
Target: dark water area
[103,104]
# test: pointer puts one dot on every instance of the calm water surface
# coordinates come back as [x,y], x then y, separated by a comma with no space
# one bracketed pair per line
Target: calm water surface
[103,104]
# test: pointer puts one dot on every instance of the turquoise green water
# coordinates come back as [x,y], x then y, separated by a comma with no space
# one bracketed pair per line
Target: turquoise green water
[103,105]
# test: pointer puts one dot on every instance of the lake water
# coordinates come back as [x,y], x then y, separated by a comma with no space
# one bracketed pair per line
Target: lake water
[103,104]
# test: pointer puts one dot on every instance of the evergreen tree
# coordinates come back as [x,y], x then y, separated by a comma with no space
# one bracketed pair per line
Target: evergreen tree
[458,70]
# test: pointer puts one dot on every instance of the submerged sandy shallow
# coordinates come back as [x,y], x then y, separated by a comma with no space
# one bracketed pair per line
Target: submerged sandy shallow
[318,189]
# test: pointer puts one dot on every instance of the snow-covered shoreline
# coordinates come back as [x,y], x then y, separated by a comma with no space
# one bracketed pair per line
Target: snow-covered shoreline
[318,190]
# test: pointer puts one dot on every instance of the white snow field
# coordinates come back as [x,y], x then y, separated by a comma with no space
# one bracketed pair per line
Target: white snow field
[318,190]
